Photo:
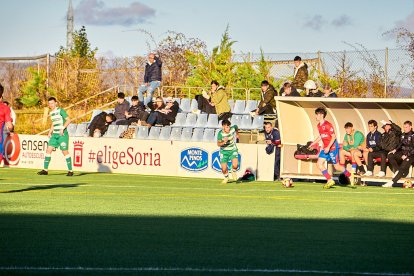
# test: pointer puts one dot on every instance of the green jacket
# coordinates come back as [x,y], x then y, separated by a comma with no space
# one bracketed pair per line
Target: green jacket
[268,98]
[219,99]
[353,141]
[300,76]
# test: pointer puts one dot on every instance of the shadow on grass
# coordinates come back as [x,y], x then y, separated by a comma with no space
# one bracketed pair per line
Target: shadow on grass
[343,246]
[44,187]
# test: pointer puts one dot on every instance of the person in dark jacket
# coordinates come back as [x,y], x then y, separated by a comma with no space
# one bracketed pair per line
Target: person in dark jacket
[163,115]
[300,74]
[268,104]
[135,114]
[328,93]
[100,123]
[373,150]
[403,153]
[289,91]
[152,78]
[272,138]
[121,107]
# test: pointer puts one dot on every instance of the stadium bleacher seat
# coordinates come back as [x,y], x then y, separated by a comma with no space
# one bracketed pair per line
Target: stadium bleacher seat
[191,120]
[239,107]
[165,133]
[201,121]
[194,105]
[72,129]
[180,120]
[121,128]
[129,99]
[178,100]
[231,103]
[81,130]
[111,110]
[246,122]
[258,122]
[236,120]
[186,134]
[175,133]
[208,135]
[111,132]
[216,134]
[185,105]
[154,132]
[250,106]
[212,121]
[95,112]
[197,135]
[142,133]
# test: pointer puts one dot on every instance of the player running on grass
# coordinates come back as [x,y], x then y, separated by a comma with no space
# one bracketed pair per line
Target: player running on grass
[58,136]
[330,152]
[226,140]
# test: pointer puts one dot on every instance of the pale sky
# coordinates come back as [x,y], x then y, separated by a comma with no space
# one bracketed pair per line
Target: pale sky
[38,27]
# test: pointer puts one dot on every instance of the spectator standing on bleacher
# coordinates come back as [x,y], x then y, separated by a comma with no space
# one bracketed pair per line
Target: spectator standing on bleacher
[100,123]
[404,153]
[163,114]
[272,138]
[353,144]
[288,90]
[373,150]
[300,74]
[152,78]
[121,107]
[219,101]
[204,103]
[136,113]
[268,104]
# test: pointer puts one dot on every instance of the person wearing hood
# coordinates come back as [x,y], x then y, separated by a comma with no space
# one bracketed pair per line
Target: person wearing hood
[268,104]
[219,101]
[152,78]
[300,74]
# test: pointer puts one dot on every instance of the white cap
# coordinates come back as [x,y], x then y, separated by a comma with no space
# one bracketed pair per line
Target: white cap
[310,84]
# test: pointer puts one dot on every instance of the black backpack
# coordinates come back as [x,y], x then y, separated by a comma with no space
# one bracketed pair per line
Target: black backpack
[303,149]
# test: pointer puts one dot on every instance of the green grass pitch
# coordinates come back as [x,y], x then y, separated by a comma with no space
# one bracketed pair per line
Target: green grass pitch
[111,223]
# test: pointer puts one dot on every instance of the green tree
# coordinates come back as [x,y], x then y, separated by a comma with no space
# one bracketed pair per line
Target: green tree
[34,89]
[218,65]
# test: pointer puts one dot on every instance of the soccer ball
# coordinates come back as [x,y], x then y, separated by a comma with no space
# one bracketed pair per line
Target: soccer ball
[408,184]
[287,183]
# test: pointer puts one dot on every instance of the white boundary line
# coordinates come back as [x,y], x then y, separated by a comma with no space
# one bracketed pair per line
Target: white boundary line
[191,269]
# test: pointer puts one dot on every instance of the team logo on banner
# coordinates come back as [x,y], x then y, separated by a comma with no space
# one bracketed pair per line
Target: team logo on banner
[215,161]
[12,150]
[194,159]
[77,153]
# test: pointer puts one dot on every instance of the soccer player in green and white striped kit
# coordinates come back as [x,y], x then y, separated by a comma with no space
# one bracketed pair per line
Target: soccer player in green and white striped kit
[58,135]
[226,140]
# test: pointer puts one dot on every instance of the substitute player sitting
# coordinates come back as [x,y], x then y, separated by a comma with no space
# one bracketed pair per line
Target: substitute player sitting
[58,136]
[226,140]
[330,152]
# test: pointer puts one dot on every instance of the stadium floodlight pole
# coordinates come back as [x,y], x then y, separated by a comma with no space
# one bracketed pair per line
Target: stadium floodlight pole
[69,26]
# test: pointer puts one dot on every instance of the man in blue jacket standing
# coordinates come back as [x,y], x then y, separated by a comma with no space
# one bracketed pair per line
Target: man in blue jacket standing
[152,78]
[272,138]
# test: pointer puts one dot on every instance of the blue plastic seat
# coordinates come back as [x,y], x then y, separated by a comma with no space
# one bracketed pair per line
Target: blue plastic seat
[212,121]
[190,120]
[121,128]
[194,105]
[72,129]
[246,122]
[180,120]
[236,120]
[111,132]
[251,105]
[258,122]
[81,130]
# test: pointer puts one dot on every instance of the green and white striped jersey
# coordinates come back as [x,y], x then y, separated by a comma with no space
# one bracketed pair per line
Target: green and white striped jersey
[58,117]
[231,142]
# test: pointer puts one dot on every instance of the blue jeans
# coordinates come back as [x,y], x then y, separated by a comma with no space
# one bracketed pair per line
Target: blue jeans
[150,91]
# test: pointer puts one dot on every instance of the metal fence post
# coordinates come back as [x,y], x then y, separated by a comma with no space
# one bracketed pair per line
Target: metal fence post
[47,70]
[386,72]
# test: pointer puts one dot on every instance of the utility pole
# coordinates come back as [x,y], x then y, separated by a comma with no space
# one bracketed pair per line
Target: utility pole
[69,27]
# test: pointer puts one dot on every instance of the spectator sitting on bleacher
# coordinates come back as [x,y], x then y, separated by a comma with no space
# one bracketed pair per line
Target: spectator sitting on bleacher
[403,154]
[152,78]
[163,114]
[288,90]
[268,104]
[135,114]
[312,89]
[374,150]
[100,123]
[121,107]
[220,102]
[204,100]
[328,93]
[353,141]
[300,74]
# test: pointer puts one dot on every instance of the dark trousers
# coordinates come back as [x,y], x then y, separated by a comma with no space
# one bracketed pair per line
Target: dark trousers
[268,109]
[403,169]
[377,154]
[204,105]
[158,118]
[277,163]
[395,159]
[127,121]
